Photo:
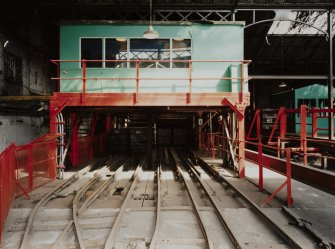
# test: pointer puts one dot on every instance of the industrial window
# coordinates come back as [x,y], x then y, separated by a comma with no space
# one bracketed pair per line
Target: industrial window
[155,49]
[116,49]
[91,49]
[181,50]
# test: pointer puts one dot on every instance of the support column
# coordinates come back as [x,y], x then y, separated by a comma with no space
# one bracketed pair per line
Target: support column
[241,145]
[74,153]
[331,77]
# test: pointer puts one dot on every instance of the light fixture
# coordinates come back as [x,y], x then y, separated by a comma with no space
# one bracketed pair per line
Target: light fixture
[6,43]
[282,84]
[121,39]
[150,33]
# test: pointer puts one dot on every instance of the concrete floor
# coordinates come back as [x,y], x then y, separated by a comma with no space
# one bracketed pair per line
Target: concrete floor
[310,204]
[178,227]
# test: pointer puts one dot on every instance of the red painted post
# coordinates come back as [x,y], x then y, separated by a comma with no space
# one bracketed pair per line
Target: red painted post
[84,80]
[190,82]
[242,83]
[137,80]
[241,145]
[260,165]
[108,123]
[314,123]
[30,167]
[283,124]
[303,132]
[258,125]
[288,180]
[74,154]
[93,125]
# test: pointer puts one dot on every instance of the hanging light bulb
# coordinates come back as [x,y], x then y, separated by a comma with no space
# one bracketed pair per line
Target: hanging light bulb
[282,84]
[150,33]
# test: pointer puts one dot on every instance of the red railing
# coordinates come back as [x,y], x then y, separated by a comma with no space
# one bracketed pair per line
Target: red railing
[137,76]
[23,168]
[7,183]
[215,143]
[276,139]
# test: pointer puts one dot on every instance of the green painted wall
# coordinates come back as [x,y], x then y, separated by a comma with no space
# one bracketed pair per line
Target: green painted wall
[317,92]
[209,42]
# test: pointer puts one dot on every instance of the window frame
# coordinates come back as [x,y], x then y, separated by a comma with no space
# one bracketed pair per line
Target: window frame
[103,66]
[103,51]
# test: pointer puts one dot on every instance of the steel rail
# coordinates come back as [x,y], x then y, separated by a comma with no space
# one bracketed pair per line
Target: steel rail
[155,236]
[284,235]
[45,199]
[209,245]
[96,193]
[196,173]
[75,203]
[60,242]
[110,242]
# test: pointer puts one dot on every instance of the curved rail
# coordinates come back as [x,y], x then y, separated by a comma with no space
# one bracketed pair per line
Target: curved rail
[153,243]
[110,242]
[285,236]
[45,199]
[209,245]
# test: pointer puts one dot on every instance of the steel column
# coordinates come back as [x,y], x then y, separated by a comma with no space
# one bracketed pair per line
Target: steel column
[74,155]
[241,146]
[303,132]
[331,76]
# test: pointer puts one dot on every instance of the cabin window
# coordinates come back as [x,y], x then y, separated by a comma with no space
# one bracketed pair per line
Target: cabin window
[116,49]
[91,49]
[157,50]
[181,50]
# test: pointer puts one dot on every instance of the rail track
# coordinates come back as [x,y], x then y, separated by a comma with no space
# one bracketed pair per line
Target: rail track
[117,203]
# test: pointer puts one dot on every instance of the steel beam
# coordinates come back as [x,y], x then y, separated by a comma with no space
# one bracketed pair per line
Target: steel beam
[288,77]
[148,99]
[25,98]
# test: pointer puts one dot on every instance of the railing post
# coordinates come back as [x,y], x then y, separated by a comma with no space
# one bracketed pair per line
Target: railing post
[30,168]
[288,180]
[260,165]
[84,80]
[303,132]
[137,80]
[188,97]
[242,82]
[314,123]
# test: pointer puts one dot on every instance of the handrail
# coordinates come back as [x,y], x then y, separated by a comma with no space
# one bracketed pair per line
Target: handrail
[190,77]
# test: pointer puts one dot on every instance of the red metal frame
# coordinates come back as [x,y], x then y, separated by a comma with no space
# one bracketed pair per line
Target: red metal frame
[94,121]
[261,160]
[257,119]
[23,168]
[74,152]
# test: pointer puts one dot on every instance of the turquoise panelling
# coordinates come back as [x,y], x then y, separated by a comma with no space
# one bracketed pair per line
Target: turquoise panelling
[209,42]
[317,92]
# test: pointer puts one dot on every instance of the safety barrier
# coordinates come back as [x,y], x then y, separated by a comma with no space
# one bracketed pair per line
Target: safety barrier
[23,168]
[7,183]
[215,142]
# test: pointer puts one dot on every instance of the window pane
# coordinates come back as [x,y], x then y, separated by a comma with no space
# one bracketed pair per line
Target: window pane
[116,50]
[145,49]
[91,49]
[181,50]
